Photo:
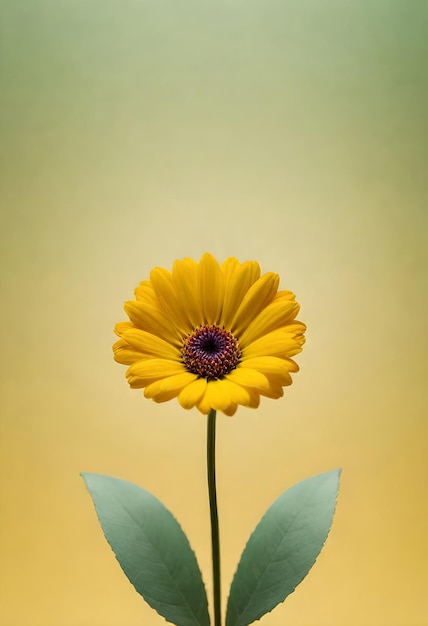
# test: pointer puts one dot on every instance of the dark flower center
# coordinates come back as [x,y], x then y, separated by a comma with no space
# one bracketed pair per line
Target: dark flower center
[210,352]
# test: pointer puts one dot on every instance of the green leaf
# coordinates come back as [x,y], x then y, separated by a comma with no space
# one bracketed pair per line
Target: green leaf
[283,548]
[151,548]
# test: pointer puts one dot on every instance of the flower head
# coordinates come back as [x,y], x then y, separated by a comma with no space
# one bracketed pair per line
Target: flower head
[214,336]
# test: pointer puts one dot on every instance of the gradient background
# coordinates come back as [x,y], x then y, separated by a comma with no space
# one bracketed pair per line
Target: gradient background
[136,132]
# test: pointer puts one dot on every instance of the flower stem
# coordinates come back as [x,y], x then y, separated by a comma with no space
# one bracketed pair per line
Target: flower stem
[215,539]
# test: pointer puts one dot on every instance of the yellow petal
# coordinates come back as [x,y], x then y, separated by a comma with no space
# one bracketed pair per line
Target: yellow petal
[296,328]
[126,356]
[151,345]
[238,281]
[145,293]
[136,383]
[228,267]
[272,392]
[254,398]
[277,370]
[274,316]
[168,388]
[217,395]
[190,395]
[185,277]
[122,326]
[211,289]
[223,394]
[248,378]
[282,343]
[255,300]
[231,410]
[285,294]
[150,370]
[203,405]
[292,365]
[123,353]
[120,343]
[164,288]
[266,364]
[153,321]
[235,393]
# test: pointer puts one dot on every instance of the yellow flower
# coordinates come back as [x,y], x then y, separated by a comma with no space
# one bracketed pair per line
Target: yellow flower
[214,336]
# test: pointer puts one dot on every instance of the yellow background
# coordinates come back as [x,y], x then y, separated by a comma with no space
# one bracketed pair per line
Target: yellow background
[136,132]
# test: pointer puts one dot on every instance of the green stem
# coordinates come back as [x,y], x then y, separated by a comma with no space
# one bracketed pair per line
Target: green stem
[215,539]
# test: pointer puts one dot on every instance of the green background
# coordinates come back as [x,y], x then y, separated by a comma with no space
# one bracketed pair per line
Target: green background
[135,132]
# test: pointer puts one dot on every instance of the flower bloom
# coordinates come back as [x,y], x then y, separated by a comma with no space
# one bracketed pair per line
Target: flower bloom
[214,336]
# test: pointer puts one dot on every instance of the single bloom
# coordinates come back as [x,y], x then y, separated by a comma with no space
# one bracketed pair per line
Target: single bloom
[214,336]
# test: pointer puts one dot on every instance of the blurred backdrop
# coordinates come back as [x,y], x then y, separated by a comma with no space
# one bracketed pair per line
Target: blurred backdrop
[136,132]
